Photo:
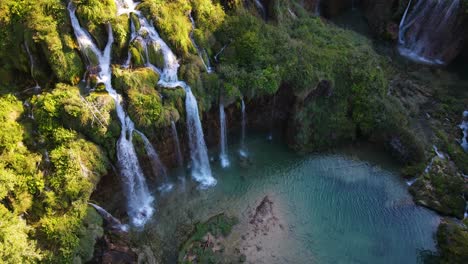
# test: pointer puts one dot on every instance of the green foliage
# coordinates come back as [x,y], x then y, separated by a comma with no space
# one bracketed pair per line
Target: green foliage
[145,104]
[441,189]
[19,180]
[217,226]
[44,26]
[94,14]
[92,115]
[15,245]
[452,241]
[170,17]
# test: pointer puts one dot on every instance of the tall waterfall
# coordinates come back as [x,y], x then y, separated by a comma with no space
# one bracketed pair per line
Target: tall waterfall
[223,156]
[138,196]
[243,150]
[200,52]
[464,127]
[426,33]
[201,170]
[175,135]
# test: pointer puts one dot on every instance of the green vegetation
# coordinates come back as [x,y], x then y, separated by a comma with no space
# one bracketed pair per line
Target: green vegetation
[43,198]
[50,166]
[452,241]
[441,189]
[197,248]
[145,105]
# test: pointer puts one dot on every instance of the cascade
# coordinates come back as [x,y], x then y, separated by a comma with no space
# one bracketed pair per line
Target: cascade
[207,65]
[317,8]
[427,31]
[243,150]
[429,166]
[201,170]
[464,127]
[260,8]
[175,135]
[111,220]
[36,88]
[139,199]
[223,156]
[219,53]
[156,165]
[438,154]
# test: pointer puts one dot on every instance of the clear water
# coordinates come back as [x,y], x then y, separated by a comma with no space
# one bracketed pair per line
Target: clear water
[340,208]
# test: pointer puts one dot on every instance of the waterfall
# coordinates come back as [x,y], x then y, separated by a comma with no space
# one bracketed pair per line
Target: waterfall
[464,127]
[438,154]
[36,88]
[223,156]
[219,53]
[138,196]
[243,150]
[157,166]
[110,219]
[317,8]
[175,135]
[207,65]
[426,32]
[261,8]
[201,170]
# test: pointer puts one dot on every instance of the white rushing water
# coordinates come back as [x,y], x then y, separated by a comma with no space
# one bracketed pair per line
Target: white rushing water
[139,199]
[201,170]
[260,8]
[464,127]
[425,28]
[223,156]
[112,221]
[219,53]
[175,136]
[200,52]
[243,149]
[36,88]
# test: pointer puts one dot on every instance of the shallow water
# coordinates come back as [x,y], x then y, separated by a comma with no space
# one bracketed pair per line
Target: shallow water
[338,207]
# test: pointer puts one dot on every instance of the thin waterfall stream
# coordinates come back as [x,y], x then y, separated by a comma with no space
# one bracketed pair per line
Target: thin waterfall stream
[201,52]
[223,156]
[175,136]
[243,149]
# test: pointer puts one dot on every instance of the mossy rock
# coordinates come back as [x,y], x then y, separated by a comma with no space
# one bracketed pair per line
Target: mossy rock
[155,55]
[441,189]
[136,21]
[452,239]
[138,53]
[145,105]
